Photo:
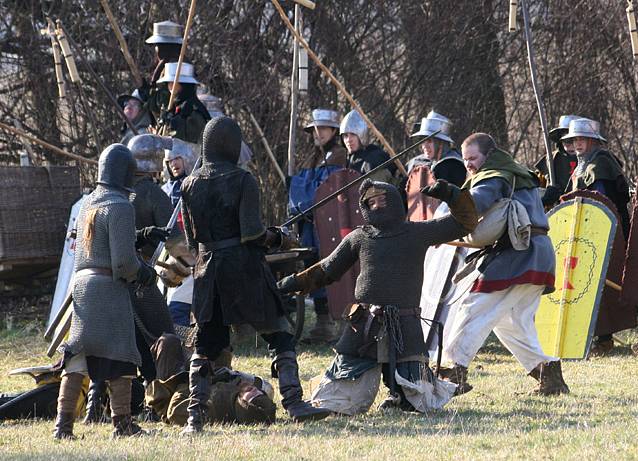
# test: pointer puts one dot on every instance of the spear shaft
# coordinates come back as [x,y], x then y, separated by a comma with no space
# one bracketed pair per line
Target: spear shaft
[322,202]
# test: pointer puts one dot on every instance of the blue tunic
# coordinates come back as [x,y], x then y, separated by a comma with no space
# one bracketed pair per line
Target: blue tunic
[537,264]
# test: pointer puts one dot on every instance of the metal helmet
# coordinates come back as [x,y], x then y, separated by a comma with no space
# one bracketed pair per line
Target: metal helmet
[180,149]
[186,74]
[221,140]
[563,126]
[354,123]
[435,122]
[148,151]
[116,167]
[584,127]
[166,32]
[212,103]
[323,117]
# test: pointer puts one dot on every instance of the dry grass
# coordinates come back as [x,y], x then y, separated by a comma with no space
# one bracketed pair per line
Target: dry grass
[597,420]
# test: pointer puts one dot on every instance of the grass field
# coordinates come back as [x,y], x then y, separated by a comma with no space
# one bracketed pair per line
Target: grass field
[599,419]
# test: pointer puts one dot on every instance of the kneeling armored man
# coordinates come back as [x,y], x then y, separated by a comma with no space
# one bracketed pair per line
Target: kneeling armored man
[385,333]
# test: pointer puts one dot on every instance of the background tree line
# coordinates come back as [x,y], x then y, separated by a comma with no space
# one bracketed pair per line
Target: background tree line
[399,60]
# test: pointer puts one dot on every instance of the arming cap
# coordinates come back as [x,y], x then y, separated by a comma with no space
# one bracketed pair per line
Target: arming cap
[585,128]
[123,98]
[354,123]
[166,32]
[116,167]
[323,117]
[186,74]
[148,151]
[563,126]
[432,123]
[221,140]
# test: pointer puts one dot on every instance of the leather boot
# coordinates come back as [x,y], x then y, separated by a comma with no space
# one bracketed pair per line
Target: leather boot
[70,389]
[126,427]
[64,426]
[199,386]
[601,348]
[457,375]
[285,367]
[322,332]
[536,373]
[550,381]
[94,410]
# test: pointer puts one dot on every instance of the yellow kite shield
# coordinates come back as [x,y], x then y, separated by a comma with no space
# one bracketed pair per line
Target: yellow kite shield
[582,232]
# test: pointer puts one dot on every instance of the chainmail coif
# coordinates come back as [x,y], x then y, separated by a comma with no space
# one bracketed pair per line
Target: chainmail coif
[221,140]
[388,217]
[116,167]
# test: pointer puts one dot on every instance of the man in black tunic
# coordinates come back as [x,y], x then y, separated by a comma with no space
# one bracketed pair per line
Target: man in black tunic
[385,326]
[232,283]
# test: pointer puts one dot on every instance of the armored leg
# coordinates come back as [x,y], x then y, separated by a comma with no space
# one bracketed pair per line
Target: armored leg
[94,402]
[124,426]
[199,386]
[70,389]
[550,379]
[285,368]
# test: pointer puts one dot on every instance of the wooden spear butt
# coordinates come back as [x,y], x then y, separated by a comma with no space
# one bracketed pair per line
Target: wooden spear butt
[512,22]
[307,3]
[68,55]
[633,33]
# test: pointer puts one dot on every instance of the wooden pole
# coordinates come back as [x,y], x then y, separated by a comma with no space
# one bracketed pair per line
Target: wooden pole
[539,101]
[123,46]
[340,191]
[51,147]
[294,94]
[264,141]
[633,33]
[57,59]
[182,53]
[339,86]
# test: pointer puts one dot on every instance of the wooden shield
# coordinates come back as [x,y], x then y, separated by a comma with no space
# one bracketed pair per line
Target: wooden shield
[420,207]
[629,292]
[582,232]
[333,222]
[614,314]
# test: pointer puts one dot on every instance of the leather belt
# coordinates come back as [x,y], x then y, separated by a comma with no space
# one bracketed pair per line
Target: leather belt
[538,231]
[221,244]
[94,271]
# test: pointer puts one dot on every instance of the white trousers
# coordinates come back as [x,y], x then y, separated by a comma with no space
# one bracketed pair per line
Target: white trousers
[510,313]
